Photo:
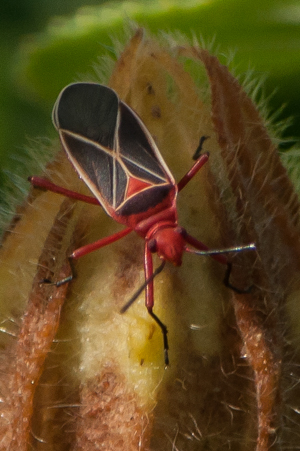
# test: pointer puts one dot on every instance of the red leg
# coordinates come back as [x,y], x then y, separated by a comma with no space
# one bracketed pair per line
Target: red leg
[148,268]
[193,171]
[149,300]
[84,250]
[39,182]
[88,248]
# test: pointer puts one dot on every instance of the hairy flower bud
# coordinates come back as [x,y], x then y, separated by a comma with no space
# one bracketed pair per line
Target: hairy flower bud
[79,374]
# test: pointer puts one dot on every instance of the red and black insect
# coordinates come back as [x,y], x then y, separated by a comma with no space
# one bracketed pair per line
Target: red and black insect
[114,153]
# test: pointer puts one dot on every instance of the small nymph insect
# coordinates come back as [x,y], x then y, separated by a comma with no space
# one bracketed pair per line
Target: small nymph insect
[115,155]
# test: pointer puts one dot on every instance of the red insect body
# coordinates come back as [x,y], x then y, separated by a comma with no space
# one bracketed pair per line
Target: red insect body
[115,155]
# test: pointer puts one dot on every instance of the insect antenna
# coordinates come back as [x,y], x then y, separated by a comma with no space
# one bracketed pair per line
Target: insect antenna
[246,247]
[142,287]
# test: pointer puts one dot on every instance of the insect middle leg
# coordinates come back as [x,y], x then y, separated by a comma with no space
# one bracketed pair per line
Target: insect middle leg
[87,249]
[44,184]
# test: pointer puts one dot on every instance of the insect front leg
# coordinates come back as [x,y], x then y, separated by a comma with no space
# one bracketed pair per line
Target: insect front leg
[199,148]
[149,300]
[218,255]
[227,283]
[193,171]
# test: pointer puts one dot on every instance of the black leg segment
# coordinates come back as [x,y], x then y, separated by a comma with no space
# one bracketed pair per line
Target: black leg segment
[164,330]
[232,287]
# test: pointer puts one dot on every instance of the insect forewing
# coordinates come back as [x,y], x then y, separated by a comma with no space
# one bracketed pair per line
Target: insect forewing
[111,149]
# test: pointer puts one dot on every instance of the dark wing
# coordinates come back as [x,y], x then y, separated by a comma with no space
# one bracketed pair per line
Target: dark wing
[111,149]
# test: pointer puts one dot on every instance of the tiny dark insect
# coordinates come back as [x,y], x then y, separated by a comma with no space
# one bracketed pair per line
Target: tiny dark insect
[115,155]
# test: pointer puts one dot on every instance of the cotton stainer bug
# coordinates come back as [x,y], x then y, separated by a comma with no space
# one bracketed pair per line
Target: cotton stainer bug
[115,155]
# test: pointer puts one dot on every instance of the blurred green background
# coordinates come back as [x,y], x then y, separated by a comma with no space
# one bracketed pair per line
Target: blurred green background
[46,44]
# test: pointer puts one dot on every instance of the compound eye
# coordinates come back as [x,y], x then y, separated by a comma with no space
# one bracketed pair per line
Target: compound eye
[152,245]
